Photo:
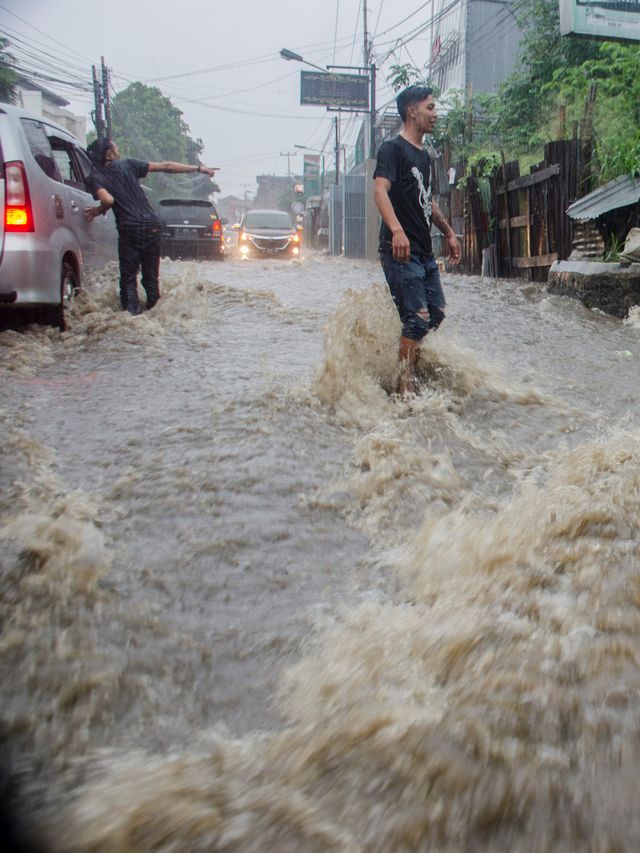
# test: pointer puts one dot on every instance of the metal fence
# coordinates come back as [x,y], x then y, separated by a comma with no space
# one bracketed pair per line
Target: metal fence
[355,215]
[336,206]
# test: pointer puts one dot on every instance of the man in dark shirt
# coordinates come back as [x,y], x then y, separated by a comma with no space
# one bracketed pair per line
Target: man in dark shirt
[403,196]
[115,184]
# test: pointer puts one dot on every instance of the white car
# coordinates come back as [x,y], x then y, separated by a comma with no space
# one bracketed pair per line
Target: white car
[264,233]
[46,244]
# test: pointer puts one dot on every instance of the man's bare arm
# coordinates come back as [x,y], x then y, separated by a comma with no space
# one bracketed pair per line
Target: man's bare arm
[454,252]
[106,203]
[181,168]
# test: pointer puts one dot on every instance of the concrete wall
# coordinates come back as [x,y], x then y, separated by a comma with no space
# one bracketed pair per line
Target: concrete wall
[492,44]
[613,288]
[372,217]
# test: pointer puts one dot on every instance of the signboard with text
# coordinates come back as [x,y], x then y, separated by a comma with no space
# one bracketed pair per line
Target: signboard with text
[311,174]
[606,19]
[320,88]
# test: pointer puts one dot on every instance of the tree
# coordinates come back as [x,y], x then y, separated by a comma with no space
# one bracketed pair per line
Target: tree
[521,113]
[615,71]
[146,125]
[555,72]
[8,77]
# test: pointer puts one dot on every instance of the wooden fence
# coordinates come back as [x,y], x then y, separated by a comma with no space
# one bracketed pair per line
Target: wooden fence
[516,225]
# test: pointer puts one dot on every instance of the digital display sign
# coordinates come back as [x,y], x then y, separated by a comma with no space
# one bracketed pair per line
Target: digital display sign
[319,88]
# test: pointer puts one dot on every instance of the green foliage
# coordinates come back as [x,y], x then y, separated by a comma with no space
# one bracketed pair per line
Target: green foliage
[8,77]
[554,73]
[402,76]
[615,71]
[146,125]
[482,164]
[407,75]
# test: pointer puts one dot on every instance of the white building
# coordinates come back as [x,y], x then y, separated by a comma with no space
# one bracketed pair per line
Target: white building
[31,96]
[474,44]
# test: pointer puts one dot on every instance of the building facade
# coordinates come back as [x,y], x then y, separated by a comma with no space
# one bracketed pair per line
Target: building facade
[475,44]
[35,98]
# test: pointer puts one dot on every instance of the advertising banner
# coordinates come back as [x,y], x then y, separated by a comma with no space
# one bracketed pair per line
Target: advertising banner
[311,173]
[607,19]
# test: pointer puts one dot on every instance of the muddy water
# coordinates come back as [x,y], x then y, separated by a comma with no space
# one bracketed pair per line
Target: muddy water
[252,601]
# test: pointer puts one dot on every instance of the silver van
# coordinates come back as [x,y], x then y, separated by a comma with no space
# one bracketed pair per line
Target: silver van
[46,245]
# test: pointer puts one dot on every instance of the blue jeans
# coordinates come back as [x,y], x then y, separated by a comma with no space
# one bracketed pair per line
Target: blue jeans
[417,292]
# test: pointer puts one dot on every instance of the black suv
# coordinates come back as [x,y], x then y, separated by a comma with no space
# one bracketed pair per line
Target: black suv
[191,228]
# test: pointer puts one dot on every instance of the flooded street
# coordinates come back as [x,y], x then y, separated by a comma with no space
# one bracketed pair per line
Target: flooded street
[253,601]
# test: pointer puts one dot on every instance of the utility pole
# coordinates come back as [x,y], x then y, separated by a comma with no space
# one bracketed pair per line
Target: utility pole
[245,187]
[288,155]
[365,61]
[366,56]
[96,114]
[106,97]
[366,49]
[337,151]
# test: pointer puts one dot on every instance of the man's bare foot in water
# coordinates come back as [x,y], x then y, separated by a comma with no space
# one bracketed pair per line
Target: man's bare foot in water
[408,386]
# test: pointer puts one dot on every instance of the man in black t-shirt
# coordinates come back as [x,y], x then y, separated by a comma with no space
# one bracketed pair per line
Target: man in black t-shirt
[115,184]
[403,196]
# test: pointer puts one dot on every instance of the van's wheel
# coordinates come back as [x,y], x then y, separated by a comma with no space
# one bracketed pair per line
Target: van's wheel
[68,289]
[54,315]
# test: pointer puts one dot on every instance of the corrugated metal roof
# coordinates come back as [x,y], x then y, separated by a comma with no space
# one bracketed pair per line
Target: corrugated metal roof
[618,193]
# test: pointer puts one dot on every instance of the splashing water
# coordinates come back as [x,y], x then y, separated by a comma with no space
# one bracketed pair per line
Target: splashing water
[268,605]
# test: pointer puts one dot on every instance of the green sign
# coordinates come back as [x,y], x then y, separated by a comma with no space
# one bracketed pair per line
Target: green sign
[606,19]
[311,173]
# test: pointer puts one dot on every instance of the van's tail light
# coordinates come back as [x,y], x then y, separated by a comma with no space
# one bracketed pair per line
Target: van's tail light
[18,214]
[216,228]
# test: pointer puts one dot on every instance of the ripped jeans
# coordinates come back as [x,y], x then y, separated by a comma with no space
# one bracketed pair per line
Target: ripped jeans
[417,292]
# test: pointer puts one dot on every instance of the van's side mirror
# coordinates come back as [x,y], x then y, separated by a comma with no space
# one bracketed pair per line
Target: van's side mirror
[224,221]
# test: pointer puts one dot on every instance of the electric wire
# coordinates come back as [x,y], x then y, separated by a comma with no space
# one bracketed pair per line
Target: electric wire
[335,31]
[355,33]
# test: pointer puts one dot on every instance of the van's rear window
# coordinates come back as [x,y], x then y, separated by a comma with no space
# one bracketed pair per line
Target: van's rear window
[40,147]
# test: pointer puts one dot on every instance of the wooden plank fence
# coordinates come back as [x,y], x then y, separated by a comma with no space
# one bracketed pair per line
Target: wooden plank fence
[515,225]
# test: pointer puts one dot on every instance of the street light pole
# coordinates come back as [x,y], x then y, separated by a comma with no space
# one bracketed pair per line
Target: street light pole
[290,56]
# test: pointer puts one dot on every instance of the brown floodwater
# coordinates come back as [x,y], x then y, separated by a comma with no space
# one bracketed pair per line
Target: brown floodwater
[252,601]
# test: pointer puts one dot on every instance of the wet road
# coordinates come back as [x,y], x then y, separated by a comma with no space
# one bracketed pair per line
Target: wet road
[252,601]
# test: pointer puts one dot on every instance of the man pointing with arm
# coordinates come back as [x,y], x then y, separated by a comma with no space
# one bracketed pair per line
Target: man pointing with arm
[115,184]
[402,194]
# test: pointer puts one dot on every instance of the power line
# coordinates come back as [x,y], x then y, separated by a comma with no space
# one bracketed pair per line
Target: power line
[335,31]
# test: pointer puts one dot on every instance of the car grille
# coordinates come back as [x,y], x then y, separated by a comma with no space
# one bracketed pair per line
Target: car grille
[270,244]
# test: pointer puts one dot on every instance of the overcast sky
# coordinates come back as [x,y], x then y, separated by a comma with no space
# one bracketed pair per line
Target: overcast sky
[219,63]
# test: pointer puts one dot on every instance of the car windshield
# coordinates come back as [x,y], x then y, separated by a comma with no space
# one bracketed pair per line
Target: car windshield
[268,219]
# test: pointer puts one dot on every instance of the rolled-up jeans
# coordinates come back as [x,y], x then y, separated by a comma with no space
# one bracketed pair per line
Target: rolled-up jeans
[139,250]
[417,292]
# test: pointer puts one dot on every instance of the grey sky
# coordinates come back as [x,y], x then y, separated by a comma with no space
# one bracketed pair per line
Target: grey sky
[219,63]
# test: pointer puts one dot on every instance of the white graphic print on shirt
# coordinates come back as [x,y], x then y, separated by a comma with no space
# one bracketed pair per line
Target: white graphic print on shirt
[424,195]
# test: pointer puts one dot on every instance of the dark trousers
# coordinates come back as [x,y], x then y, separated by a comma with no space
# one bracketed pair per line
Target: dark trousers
[139,251]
